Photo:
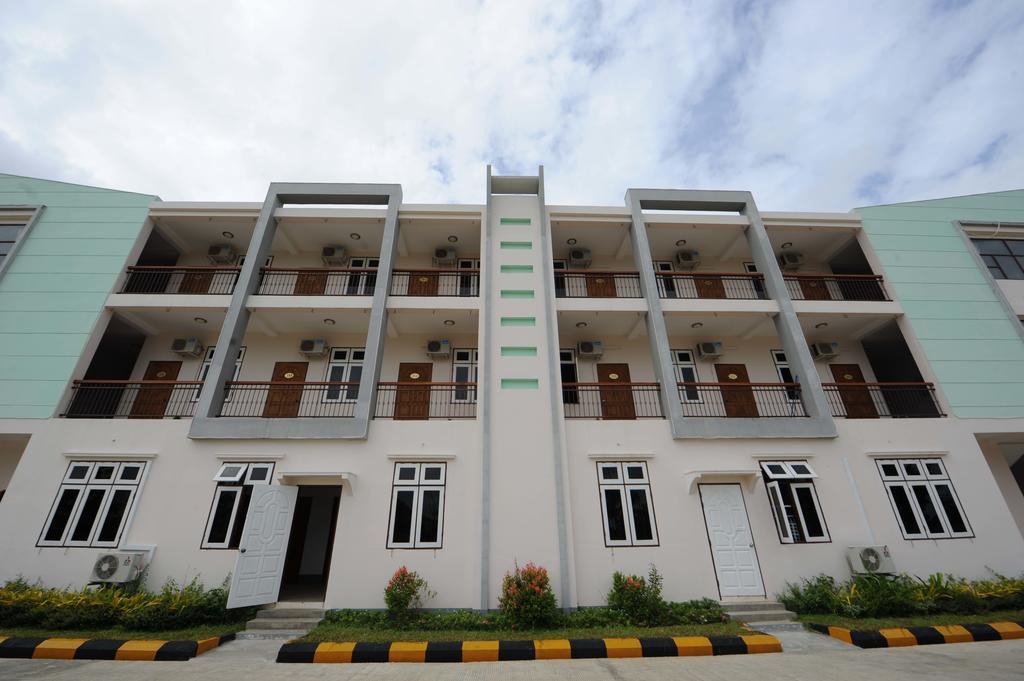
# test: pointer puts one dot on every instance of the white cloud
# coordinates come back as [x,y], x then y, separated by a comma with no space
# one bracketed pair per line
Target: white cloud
[810,105]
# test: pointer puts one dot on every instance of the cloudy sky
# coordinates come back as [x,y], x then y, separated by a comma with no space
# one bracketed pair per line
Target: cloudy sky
[811,104]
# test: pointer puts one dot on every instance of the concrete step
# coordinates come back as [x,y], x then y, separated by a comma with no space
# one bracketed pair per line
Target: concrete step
[289,613]
[752,616]
[286,623]
[761,604]
[772,627]
[272,634]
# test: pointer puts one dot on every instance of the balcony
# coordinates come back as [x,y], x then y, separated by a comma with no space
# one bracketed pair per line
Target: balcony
[741,400]
[588,284]
[411,401]
[462,282]
[275,281]
[868,287]
[714,285]
[197,280]
[286,399]
[612,401]
[875,400]
[102,399]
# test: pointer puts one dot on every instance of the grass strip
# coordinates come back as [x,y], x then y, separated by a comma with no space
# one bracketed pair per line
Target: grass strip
[116,633]
[915,621]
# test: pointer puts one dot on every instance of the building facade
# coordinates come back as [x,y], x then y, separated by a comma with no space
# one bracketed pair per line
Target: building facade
[310,392]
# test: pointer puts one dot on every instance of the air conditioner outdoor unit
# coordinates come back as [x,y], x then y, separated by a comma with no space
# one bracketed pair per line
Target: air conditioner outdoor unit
[687,260]
[579,258]
[333,255]
[824,350]
[709,349]
[221,254]
[187,347]
[313,348]
[444,256]
[791,260]
[439,348]
[874,560]
[117,568]
[590,349]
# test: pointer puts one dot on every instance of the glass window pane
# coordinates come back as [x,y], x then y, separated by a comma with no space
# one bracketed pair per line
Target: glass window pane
[911,469]
[129,473]
[641,515]
[5,247]
[222,516]
[9,232]
[62,514]
[402,532]
[431,472]
[616,515]
[115,514]
[780,516]
[1010,266]
[430,515]
[90,509]
[240,516]
[259,473]
[1016,246]
[407,473]
[956,521]
[990,246]
[933,468]
[358,355]
[931,516]
[890,470]
[104,472]
[78,472]
[905,509]
[635,472]
[805,498]
[354,374]
[609,473]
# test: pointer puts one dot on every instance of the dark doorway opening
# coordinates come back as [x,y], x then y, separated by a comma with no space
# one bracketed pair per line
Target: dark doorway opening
[113,360]
[308,560]
[893,363]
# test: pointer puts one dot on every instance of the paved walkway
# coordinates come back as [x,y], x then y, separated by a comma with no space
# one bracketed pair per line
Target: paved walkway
[253,661]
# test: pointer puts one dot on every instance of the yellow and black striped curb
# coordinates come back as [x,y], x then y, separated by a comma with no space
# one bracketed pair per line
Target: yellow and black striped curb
[552,649]
[924,636]
[107,649]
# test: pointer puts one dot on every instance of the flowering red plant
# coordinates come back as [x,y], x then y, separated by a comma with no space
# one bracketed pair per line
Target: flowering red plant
[526,597]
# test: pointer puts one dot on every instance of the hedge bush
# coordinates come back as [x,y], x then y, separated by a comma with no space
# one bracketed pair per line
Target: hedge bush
[405,593]
[637,600]
[527,600]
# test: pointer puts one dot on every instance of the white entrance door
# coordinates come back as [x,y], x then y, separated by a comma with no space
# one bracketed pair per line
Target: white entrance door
[732,545]
[260,565]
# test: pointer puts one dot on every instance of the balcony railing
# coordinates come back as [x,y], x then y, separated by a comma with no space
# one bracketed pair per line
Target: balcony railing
[711,285]
[409,401]
[288,400]
[835,287]
[612,401]
[741,400]
[276,281]
[874,400]
[587,284]
[181,280]
[132,399]
[462,282]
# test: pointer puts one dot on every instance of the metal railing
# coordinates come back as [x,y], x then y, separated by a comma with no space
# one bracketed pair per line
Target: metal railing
[284,400]
[874,400]
[718,285]
[741,400]
[835,287]
[182,280]
[612,401]
[276,281]
[462,282]
[587,284]
[408,401]
[132,399]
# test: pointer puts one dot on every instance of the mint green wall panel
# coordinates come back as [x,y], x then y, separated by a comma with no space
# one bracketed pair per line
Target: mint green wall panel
[970,339]
[54,290]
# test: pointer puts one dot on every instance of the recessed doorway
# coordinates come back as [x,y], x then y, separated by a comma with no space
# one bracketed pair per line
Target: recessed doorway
[308,559]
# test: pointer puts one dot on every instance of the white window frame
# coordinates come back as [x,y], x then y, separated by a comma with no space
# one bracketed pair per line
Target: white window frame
[683,358]
[667,267]
[266,263]
[782,364]
[361,278]
[22,226]
[86,485]
[204,370]
[469,264]
[418,484]
[930,482]
[795,475]
[346,365]
[237,482]
[624,486]
[470,362]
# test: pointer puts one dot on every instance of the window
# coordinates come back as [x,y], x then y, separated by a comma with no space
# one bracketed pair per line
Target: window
[469,283]
[346,366]
[362,284]
[93,504]
[627,508]
[567,365]
[1003,257]
[559,266]
[266,263]
[686,372]
[668,287]
[794,502]
[204,369]
[923,499]
[235,481]
[464,370]
[9,234]
[757,282]
[785,374]
[417,506]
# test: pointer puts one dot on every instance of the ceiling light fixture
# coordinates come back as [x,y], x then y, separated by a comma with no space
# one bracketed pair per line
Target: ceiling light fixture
[788,244]
[228,235]
[199,320]
[449,322]
[581,325]
[681,242]
[696,325]
[330,322]
[452,238]
[355,236]
[571,242]
[821,325]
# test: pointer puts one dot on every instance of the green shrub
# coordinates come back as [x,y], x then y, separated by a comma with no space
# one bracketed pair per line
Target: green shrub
[637,601]
[816,595]
[700,611]
[404,593]
[527,600]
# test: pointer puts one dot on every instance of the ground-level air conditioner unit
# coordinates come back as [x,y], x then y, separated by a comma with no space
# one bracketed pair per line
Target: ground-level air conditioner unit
[333,256]
[873,560]
[791,260]
[117,567]
[590,349]
[579,258]
[687,260]
[439,348]
[313,348]
[444,256]
[824,350]
[222,254]
[187,347]
[709,349]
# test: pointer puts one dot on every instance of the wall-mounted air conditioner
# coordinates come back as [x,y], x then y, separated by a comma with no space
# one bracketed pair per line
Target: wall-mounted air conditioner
[687,259]
[187,347]
[222,254]
[444,256]
[824,350]
[709,349]
[791,260]
[439,349]
[579,258]
[117,567]
[333,256]
[313,348]
[590,349]
[871,560]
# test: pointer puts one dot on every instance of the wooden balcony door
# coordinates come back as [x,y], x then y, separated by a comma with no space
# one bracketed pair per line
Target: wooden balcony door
[310,283]
[283,400]
[600,286]
[856,399]
[422,284]
[152,401]
[814,288]
[616,402]
[412,402]
[709,287]
[196,282]
[738,399]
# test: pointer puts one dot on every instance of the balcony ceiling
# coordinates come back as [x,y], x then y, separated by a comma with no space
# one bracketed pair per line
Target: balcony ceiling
[308,323]
[718,242]
[842,326]
[178,322]
[600,325]
[197,234]
[817,243]
[431,322]
[423,236]
[304,235]
[604,239]
[716,326]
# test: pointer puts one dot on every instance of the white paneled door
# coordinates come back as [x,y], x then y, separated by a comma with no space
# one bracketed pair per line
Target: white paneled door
[732,545]
[260,565]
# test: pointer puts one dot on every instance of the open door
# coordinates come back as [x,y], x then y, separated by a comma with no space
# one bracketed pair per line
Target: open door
[264,546]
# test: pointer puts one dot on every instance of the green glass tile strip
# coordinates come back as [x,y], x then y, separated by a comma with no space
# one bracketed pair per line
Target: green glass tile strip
[517,245]
[519,321]
[513,293]
[515,221]
[519,384]
[516,269]
[518,351]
